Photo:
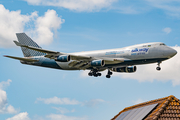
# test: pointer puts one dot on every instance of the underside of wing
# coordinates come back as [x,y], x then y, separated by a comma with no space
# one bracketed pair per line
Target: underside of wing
[79,64]
[86,62]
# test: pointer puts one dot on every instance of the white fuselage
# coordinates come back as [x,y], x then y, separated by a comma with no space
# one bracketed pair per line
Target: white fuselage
[132,55]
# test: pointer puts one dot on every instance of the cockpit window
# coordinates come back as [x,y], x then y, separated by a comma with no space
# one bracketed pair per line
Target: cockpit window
[163,44]
[146,45]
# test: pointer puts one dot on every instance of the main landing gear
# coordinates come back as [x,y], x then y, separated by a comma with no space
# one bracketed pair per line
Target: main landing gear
[158,68]
[94,73]
[109,74]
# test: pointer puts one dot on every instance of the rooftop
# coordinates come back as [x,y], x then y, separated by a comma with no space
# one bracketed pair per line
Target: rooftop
[167,108]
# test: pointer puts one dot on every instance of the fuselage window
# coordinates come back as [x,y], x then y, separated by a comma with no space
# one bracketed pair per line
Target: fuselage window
[162,44]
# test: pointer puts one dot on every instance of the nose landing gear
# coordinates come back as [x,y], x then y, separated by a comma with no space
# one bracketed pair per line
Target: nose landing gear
[158,68]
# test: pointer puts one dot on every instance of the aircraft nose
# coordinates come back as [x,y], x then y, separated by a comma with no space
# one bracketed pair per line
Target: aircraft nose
[172,52]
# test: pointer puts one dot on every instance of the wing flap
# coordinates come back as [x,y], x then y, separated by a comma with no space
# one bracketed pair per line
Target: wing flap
[72,63]
[80,64]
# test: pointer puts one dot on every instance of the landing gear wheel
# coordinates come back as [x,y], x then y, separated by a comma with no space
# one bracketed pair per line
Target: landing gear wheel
[90,74]
[108,76]
[110,73]
[94,72]
[158,68]
[96,75]
[99,74]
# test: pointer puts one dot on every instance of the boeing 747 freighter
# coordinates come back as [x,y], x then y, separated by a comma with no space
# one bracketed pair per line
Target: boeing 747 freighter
[114,60]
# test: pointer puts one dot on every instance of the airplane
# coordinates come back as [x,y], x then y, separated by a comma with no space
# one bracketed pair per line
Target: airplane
[122,60]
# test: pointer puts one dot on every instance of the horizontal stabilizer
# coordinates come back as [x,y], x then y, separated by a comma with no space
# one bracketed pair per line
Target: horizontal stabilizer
[17,43]
[19,58]
[36,49]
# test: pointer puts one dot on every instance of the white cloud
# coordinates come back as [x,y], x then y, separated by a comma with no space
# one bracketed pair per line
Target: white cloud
[4,107]
[171,7]
[41,28]
[67,101]
[167,30]
[4,84]
[46,26]
[11,22]
[75,5]
[56,100]
[138,101]
[10,109]
[3,100]
[63,110]
[169,71]
[127,10]
[20,116]
[93,102]
[63,117]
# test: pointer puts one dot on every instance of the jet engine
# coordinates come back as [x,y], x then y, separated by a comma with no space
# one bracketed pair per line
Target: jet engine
[125,69]
[63,58]
[97,63]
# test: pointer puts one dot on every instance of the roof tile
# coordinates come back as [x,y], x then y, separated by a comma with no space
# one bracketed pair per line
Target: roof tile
[168,109]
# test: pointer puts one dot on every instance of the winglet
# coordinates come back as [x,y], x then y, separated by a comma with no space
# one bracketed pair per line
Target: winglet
[17,43]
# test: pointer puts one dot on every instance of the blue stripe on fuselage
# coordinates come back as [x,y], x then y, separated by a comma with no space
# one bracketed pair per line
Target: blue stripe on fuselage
[137,62]
[44,62]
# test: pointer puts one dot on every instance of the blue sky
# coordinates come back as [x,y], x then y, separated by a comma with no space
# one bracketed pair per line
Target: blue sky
[35,93]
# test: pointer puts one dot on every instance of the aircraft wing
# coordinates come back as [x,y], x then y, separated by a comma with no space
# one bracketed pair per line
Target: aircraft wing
[84,64]
[80,57]
[52,54]
[81,61]
[23,59]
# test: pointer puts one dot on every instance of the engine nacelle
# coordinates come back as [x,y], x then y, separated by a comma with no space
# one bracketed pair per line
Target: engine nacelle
[63,58]
[97,63]
[125,69]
